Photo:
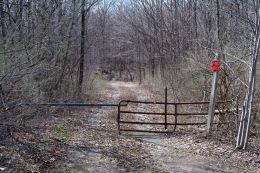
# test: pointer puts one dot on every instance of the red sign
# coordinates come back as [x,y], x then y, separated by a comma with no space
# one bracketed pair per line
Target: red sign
[215,65]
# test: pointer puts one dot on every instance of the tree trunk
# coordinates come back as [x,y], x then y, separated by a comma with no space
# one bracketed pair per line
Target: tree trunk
[246,115]
[20,23]
[29,5]
[66,56]
[82,47]
[2,21]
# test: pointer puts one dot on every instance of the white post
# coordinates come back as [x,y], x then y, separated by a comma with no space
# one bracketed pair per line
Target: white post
[212,100]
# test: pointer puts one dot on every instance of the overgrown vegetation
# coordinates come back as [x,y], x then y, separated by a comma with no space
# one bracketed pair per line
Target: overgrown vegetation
[62,51]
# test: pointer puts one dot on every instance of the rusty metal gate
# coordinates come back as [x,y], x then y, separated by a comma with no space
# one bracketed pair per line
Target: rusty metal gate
[164,115]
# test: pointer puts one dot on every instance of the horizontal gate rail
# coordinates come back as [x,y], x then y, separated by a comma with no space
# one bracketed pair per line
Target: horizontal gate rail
[194,113]
[154,123]
[156,113]
[73,104]
[169,103]
[148,113]
[145,131]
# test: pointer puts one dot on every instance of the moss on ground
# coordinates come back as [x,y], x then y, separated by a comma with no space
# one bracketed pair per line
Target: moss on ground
[61,133]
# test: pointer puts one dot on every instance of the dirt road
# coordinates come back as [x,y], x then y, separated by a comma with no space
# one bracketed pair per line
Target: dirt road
[101,149]
[87,140]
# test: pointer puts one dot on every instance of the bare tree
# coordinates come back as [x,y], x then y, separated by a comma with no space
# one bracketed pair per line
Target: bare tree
[2,20]
[82,46]
[246,115]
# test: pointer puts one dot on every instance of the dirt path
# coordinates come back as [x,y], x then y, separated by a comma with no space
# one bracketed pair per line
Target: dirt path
[171,158]
[87,140]
[99,148]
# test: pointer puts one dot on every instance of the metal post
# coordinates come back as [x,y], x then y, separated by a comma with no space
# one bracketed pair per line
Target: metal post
[118,118]
[165,110]
[212,101]
[175,116]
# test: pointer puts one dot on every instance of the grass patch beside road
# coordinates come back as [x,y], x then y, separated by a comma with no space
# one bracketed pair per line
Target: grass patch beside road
[61,133]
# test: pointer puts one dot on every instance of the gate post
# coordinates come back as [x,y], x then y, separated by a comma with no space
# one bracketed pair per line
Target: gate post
[175,115]
[215,67]
[118,117]
[165,109]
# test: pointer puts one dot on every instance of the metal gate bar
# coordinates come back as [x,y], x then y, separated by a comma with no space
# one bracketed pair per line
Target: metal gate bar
[73,104]
[145,131]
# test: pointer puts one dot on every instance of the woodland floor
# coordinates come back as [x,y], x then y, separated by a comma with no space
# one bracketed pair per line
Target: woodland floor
[87,140]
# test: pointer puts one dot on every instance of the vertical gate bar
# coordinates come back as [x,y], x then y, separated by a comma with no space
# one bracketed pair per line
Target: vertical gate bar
[118,118]
[165,109]
[175,116]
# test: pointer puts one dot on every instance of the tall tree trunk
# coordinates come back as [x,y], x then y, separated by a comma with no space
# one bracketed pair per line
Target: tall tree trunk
[66,56]
[20,19]
[195,19]
[29,14]
[82,47]
[246,115]
[138,50]
[2,21]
